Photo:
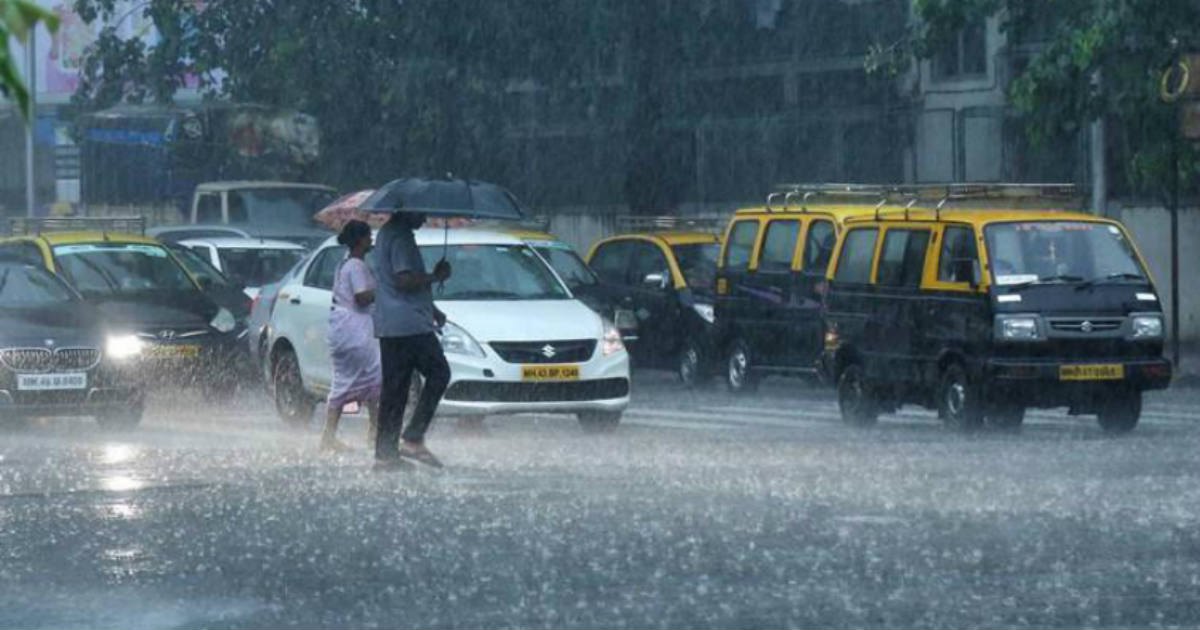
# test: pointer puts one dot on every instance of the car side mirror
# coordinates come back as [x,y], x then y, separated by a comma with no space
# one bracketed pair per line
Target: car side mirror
[656,280]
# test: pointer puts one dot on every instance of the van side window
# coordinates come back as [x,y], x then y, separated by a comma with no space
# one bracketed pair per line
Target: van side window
[818,246]
[611,261]
[902,258]
[956,261]
[741,244]
[208,209]
[778,245]
[854,265]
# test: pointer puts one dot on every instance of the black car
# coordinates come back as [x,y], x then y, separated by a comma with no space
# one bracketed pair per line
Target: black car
[57,356]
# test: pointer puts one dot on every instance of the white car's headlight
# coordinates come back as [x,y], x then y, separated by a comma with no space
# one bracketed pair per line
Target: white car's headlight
[1018,328]
[1147,327]
[122,347]
[610,339]
[705,311]
[223,322]
[455,340]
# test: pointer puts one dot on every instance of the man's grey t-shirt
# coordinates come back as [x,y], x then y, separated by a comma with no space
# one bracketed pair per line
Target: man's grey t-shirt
[398,313]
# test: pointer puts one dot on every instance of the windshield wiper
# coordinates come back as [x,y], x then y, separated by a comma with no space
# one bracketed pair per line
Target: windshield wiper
[1111,277]
[482,295]
[1046,280]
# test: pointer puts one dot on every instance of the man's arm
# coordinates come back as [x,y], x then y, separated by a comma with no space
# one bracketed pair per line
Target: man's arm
[411,281]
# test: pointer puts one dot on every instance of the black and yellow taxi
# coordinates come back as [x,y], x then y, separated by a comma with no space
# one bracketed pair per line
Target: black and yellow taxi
[985,307]
[771,278]
[662,270]
[137,284]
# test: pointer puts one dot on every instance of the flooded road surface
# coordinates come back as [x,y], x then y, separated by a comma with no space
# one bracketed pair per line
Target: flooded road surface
[700,511]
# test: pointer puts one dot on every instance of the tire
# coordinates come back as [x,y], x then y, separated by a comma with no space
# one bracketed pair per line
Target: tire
[599,421]
[959,403]
[293,404]
[738,376]
[1120,414]
[126,418]
[690,366]
[855,400]
[1007,417]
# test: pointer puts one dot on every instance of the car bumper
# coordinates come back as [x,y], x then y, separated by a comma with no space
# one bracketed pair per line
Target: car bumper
[214,357]
[489,386]
[1043,379]
[84,402]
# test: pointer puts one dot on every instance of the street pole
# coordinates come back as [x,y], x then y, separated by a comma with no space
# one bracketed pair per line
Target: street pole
[31,81]
[1175,253]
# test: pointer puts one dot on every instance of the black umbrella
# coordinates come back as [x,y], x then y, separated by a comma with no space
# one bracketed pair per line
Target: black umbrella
[449,197]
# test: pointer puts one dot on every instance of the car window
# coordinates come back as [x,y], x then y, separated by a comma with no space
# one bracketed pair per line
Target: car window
[568,265]
[647,259]
[208,208]
[778,245]
[818,246]
[902,258]
[255,267]
[698,263]
[27,253]
[197,264]
[858,249]
[26,286]
[611,261]
[320,273]
[956,261]
[741,244]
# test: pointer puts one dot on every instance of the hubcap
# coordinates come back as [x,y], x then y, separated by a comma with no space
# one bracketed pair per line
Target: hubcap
[956,397]
[737,368]
[687,367]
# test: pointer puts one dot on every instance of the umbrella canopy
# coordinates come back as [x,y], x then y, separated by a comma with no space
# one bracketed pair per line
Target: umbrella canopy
[449,197]
[346,207]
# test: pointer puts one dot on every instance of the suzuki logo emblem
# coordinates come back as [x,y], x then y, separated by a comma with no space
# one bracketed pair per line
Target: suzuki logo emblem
[166,334]
[1086,327]
[548,351]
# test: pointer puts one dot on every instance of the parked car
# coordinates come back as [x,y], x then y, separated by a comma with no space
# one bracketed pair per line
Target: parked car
[982,312]
[139,285]
[250,262]
[516,340]
[770,281]
[665,278]
[579,277]
[57,356]
[279,210]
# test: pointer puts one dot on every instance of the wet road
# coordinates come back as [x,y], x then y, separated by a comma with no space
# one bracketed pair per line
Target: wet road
[700,511]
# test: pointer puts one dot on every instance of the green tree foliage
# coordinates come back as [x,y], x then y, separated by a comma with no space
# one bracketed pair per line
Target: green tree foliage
[1091,59]
[17,20]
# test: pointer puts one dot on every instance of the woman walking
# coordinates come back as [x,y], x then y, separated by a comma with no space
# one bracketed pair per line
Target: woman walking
[352,344]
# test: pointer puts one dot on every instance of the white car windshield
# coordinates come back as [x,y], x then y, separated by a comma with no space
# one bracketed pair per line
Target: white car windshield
[99,269]
[494,272]
[1031,252]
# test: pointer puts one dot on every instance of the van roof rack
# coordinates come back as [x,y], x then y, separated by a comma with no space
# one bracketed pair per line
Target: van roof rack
[36,225]
[936,196]
[631,223]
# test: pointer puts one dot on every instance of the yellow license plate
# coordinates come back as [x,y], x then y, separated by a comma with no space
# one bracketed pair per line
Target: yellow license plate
[549,372]
[1092,372]
[173,352]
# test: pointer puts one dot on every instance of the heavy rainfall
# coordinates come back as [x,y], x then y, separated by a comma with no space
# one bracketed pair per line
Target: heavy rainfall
[631,314]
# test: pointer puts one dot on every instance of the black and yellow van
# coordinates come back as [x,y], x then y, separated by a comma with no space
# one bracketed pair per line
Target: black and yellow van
[986,308]
[771,277]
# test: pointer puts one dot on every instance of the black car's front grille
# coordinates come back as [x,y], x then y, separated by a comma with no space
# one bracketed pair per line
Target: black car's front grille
[575,351]
[572,391]
[35,360]
[1095,325]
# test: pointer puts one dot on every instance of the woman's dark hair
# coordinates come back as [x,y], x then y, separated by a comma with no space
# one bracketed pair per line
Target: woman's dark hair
[352,231]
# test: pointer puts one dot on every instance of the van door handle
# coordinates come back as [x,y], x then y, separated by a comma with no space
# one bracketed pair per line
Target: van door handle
[295,300]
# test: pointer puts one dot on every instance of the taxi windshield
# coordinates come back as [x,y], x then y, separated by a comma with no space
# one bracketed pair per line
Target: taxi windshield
[114,269]
[1036,252]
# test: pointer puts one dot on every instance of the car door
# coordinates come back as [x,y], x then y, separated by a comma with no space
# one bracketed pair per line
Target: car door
[899,321]
[610,261]
[851,299]
[650,285]
[807,325]
[302,315]
[734,313]
[771,294]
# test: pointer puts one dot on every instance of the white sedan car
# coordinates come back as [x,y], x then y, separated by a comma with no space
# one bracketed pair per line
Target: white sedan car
[250,261]
[516,339]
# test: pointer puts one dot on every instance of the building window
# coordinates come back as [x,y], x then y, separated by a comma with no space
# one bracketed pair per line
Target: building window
[964,56]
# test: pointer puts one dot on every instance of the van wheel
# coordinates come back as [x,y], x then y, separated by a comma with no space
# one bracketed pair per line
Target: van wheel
[959,403]
[599,421]
[1120,414]
[1006,416]
[691,366]
[738,375]
[855,400]
[293,404]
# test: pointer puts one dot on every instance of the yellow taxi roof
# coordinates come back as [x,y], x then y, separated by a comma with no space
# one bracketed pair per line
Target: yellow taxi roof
[685,238]
[978,216]
[92,236]
[838,212]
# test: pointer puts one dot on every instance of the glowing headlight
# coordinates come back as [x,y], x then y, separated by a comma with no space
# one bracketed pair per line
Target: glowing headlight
[1147,327]
[224,321]
[610,340]
[705,311]
[1018,328]
[455,340]
[121,347]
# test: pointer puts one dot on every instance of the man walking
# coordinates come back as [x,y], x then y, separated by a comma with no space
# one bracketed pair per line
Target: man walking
[406,322]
